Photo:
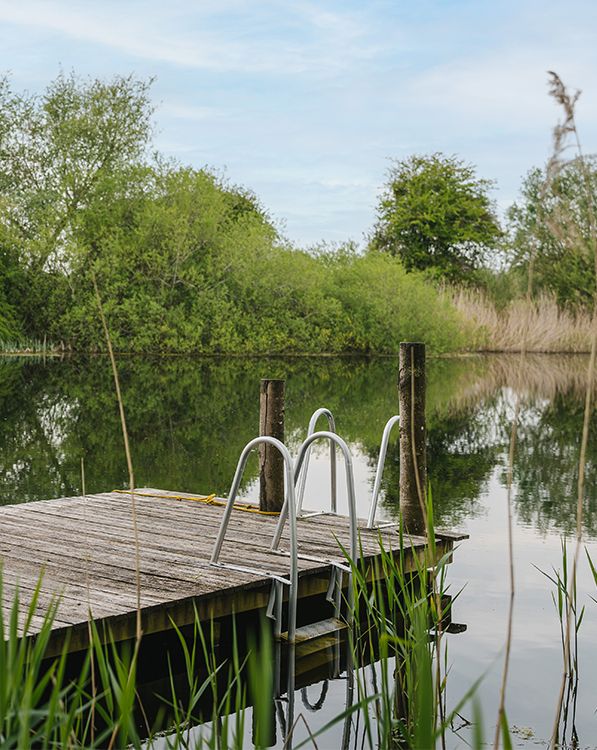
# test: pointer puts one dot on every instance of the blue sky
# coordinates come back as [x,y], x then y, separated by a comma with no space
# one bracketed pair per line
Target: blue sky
[306,102]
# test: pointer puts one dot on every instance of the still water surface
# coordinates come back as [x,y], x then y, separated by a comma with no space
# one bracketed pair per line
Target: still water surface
[189,419]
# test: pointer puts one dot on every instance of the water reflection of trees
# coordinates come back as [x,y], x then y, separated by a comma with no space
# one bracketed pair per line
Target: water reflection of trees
[546,468]
[189,419]
[471,431]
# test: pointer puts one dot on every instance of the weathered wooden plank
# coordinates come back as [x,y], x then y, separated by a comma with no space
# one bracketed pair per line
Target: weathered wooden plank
[317,630]
[318,524]
[167,535]
[113,570]
[84,546]
[195,531]
[120,552]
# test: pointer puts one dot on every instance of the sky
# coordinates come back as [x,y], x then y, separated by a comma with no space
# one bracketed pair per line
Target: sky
[307,103]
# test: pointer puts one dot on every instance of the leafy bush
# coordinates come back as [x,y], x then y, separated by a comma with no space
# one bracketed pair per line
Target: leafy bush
[184,261]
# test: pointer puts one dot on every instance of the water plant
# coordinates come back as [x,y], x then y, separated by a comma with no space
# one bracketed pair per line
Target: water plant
[570,617]
[563,132]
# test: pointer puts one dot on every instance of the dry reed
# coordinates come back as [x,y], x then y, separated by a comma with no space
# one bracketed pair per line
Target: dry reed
[129,460]
[561,133]
[541,323]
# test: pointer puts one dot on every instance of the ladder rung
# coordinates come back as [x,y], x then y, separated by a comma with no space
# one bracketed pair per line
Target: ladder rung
[316,630]
[315,645]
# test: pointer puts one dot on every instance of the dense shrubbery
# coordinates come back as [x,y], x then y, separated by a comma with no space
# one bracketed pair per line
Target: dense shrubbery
[184,261]
[192,272]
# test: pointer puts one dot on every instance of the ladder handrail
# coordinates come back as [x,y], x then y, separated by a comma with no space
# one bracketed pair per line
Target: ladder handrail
[380,467]
[352,506]
[317,414]
[318,705]
[288,501]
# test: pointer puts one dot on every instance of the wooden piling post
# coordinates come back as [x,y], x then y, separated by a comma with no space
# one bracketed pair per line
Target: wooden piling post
[413,454]
[271,463]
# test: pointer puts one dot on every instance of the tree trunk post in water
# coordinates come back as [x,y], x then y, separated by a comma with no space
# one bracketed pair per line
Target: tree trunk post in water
[271,463]
[413,454]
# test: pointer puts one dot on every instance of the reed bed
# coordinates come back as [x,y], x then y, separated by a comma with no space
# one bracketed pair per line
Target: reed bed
[541,323]
[28,346]
[563,375]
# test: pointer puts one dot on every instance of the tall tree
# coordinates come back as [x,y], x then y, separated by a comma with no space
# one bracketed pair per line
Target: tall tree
[57,149]
[64,154]
[550,226]
[436,215]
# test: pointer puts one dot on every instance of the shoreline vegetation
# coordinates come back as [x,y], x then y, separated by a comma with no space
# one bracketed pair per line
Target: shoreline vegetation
[186,262]
[475,322]
[544,326]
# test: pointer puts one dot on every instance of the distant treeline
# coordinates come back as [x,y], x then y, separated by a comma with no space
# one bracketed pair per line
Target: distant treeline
[186,262]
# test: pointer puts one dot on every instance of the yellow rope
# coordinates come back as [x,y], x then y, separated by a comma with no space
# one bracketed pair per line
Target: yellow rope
[208,500]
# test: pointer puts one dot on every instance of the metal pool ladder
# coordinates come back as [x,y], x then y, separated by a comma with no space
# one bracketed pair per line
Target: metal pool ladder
[321,412]
[289,513]
[385,439]
[275,603]
[291,509]
[338,568]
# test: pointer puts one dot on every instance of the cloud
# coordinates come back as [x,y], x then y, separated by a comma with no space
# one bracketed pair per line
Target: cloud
[138,36]
[305,100]
[224,37]
[505,91]
[490,72]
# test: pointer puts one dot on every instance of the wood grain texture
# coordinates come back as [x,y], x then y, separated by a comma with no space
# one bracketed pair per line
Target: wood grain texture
[413,456]
[82,548]
[271,463]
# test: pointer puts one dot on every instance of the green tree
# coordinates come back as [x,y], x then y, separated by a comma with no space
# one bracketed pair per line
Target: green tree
[11,288]
[550,226]
[184,261]
[436,215]
[57,149]
[166,260]
[59,155]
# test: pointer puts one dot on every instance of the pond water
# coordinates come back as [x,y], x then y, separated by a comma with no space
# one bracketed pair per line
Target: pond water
[189,420]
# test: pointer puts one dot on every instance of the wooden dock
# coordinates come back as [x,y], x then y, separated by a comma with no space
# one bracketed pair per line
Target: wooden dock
[84,548]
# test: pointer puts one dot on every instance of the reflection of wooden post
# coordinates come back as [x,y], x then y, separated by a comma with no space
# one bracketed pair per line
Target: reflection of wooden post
[271,463]
[413,456]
